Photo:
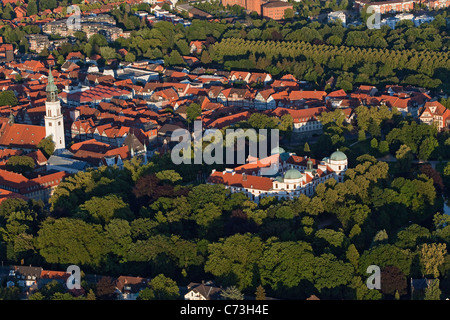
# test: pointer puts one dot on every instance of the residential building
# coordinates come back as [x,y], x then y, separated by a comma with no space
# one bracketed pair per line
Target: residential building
[25,276]
[337,15]
[306,121]
[388,6]
[250,5]
[39,188]
[6,52]
[37,42]
[21,136]
[128,288]
[203,291]
[434,113]
[275,9]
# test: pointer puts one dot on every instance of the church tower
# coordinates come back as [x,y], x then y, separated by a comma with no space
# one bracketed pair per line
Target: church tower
[54,122]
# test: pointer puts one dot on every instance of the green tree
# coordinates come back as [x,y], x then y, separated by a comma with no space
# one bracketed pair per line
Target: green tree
[108,53]
[103,209]
[130,57]
[433,292]
[173,59]
[427,147]
[331,272]
[386,255]
[374,143]
[260,293]
[361,135]
[289,14]
[160,288]
[232,293]
[234,259]
[32,8]
[412,236]
[47,146]
[432,256]
[20,164]
[383,147]
[193,111]
[205,57]
[404,157]
[8,98]
[71,241]
[285,265]
[8,12]
[353,256]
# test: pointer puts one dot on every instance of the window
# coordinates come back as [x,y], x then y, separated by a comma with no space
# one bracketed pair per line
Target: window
[49,124]
[59,123]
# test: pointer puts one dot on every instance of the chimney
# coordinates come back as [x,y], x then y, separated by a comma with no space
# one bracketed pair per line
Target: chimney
[244,177]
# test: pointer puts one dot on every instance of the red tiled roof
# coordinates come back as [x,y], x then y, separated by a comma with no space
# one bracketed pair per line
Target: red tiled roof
[38,157]
[60,275]
[236,180]
[307,95]
[298,114]
[6,194]
[21,135]
[229,120]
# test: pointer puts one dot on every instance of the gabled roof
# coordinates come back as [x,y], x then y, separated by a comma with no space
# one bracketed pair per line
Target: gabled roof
[229,120]
[337,94]
[297,114]
[307,95]
[21,135]
[208,291]
[131,284]
[241,181]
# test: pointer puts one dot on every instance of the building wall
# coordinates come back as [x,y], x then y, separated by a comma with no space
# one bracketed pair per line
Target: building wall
[251,5]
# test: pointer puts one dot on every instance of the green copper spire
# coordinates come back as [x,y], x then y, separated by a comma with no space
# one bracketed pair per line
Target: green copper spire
[51,89]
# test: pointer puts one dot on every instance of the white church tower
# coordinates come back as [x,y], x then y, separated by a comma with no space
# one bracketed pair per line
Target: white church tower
[54,122]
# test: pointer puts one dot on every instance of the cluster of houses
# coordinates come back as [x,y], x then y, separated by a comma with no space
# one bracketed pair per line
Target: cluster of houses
[93,24]
[130,110]
[159,14]
[31,279]
[395,6]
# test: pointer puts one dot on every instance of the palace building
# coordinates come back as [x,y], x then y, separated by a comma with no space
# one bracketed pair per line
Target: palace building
[292,175]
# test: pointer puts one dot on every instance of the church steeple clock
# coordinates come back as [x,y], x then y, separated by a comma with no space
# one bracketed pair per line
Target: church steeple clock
[54,121]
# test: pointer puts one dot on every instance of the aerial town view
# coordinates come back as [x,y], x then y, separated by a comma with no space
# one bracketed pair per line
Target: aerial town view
[240,150]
